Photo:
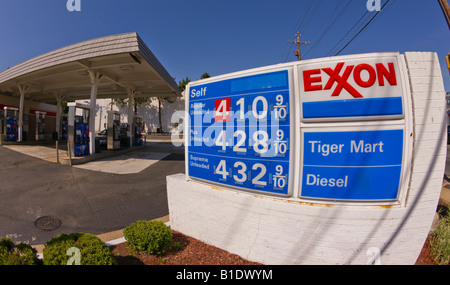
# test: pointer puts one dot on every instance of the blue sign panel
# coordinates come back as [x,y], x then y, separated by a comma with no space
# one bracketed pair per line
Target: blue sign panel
[239,132]
[353,108]
[358,165]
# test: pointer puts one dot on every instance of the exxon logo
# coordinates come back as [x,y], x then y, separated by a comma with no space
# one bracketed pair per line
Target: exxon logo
[379,74]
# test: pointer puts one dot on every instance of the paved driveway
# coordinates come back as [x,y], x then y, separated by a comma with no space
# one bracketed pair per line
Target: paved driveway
[83,198]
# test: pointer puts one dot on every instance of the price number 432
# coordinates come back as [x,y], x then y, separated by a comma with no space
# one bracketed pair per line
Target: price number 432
[258,172]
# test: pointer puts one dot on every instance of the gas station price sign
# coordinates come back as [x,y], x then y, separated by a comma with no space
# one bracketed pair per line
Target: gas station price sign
[239,132]
[333,129]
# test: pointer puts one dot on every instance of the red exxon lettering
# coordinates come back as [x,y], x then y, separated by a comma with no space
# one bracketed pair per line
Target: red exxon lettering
[313,80]
[342,82]
[390,75]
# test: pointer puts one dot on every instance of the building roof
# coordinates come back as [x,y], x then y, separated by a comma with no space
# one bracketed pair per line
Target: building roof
[124,61]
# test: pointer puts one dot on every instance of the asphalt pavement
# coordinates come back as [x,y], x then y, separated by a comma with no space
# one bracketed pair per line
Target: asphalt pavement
[41,199]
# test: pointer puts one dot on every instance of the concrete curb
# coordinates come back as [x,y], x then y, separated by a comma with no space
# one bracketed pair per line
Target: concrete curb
[97,156]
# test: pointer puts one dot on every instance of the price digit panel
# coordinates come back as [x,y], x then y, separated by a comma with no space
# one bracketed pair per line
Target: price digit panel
[239,132]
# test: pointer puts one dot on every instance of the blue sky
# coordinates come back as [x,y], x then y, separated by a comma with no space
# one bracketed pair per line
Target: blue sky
[218,37]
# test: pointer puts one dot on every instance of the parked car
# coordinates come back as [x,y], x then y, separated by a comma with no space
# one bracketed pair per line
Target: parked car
[102,138]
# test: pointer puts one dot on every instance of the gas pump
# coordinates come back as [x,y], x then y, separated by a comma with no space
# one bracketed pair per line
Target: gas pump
[81,136]
[10,123]
[137,131]
[113,130]
[78,129]
[40,125]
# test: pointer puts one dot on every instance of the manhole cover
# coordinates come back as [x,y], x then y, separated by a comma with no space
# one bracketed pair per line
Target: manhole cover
[47,223]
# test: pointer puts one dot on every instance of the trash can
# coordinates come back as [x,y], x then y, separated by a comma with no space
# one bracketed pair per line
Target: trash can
[97,145]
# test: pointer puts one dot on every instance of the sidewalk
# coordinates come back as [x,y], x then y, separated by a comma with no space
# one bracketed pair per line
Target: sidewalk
[47,150]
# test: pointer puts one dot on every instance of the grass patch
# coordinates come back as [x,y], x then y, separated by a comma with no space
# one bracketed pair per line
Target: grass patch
[440,239]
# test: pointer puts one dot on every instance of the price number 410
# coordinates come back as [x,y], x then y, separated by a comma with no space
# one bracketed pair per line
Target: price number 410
[222,109]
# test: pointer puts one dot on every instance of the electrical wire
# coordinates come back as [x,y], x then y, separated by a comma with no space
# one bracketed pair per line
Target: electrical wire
[309,17]
[363,28]
[301,20]
[360,22]
[300,23]
[334,18]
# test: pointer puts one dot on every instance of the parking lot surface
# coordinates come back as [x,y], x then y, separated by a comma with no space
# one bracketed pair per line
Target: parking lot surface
[96,197]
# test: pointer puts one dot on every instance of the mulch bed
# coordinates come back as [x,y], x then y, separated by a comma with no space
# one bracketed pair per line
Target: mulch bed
[195,252]
[190,252]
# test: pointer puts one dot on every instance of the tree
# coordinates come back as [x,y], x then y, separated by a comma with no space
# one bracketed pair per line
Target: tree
[137,101]
[182,84]
[160,100]
[205,75]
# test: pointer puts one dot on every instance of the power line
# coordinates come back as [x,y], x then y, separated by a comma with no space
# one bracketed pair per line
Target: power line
[332,15]
[302,17]
[352,28]
[310,16]
[328,27]
[341,42]
[360,31]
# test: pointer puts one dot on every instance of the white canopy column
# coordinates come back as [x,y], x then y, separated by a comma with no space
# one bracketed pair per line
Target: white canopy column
[59,98]
[131,94]
[95,78]
[22,89]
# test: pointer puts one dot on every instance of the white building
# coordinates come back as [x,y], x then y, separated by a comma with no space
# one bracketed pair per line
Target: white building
[148,112]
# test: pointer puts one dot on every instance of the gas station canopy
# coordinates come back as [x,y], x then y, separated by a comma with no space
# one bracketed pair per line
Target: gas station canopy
[116,64]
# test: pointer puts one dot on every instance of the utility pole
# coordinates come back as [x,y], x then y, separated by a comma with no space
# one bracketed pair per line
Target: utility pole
[446,9]
[298,53]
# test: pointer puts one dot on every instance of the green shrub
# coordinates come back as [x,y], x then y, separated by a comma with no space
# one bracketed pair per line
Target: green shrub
[152,237]
[92,250]
[440,242]
[22,254]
